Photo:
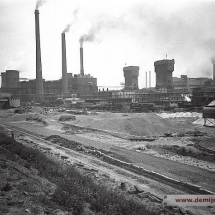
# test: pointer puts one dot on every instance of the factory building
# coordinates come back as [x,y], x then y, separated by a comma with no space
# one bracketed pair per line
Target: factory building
[82,85]
[85,85]
[180,83]
[163,70]
[187,84]
[203,95]
[131,74]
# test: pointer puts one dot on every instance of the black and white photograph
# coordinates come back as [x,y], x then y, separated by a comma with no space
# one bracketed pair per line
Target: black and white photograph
[107,107]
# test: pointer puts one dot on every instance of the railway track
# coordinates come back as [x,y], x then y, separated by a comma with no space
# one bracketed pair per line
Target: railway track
[92,162]
[105,168]
[79,157]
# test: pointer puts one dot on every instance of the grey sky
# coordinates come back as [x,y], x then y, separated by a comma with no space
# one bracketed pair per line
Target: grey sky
[135,32]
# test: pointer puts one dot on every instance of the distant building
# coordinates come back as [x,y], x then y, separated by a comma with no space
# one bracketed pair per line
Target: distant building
[131,74]
[82,85]
[185,83]
[164,70]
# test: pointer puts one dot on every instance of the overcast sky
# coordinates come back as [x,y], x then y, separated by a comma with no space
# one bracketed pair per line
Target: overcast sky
[117,33]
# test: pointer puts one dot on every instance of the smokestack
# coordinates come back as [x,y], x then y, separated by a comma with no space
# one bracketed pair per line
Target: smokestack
[81,58]
[214,71]
[39,79]
[149,79]
[64,65]
[146,79]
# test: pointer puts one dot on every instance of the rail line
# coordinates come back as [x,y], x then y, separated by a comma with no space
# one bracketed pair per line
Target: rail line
[112,164]
[107,168]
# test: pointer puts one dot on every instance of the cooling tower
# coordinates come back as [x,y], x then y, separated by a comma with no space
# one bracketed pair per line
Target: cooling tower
[39,79]
[64,65]
[131,74]
[12,78]
[163,70]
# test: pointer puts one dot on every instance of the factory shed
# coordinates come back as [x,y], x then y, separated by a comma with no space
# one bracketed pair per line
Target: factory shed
[4,103]
[4,100]
[208,113]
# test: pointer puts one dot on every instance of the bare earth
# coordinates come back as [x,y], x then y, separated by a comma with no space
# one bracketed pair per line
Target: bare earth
[109,133]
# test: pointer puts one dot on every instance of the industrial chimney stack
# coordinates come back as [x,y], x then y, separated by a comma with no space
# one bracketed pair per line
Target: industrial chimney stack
[214,71]
[64,65]
[81,59]
[39,79]
[149,79]
[146,79]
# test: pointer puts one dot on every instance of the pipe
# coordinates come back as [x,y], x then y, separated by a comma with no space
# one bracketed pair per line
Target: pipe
[146,79]
[81,59]
[39,79]
[64,65]
[149,79]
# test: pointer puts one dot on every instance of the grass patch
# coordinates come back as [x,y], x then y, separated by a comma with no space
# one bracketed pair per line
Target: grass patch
[73,189]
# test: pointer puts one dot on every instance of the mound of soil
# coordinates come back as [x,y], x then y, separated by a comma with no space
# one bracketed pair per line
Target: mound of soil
[141,124]
[37,119]
[67,118]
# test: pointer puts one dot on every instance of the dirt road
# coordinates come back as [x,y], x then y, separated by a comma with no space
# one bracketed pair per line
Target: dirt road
[166,167]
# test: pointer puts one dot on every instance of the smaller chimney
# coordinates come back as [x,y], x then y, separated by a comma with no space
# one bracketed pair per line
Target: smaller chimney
[146,79]
[149,79]
[64,65]
[81,58]
[214,71]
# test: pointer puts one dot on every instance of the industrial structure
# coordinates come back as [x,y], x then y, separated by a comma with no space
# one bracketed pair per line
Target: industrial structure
[169,91]
[163,70]
[39,79]
[209,114]
[64,66]
[81,59]
[188,84]
[213,71]
[131,74]
[10,79]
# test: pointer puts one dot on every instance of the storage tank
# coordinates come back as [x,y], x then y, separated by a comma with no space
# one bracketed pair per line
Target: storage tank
[12,78]
[14,102]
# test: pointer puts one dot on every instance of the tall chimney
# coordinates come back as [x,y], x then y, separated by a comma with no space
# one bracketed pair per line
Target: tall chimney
[81,58]
[149,79]
[64,65]
[39,79]
[146,79]
[214,71]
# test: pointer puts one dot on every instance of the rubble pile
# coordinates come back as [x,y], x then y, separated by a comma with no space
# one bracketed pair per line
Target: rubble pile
[37,119]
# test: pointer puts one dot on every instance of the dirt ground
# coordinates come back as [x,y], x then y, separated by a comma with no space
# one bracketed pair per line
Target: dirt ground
[173,133]
[180,125]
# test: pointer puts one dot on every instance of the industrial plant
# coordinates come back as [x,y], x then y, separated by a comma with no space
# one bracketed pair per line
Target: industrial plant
[70,146]
[169,92]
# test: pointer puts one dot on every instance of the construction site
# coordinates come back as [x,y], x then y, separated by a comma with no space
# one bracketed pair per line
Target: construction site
[134,144]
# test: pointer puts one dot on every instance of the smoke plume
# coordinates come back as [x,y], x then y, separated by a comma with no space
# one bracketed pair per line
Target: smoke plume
[105,23]
[40,3]
[72,23]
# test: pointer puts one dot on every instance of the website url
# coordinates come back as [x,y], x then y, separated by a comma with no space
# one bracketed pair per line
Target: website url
[189,200]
